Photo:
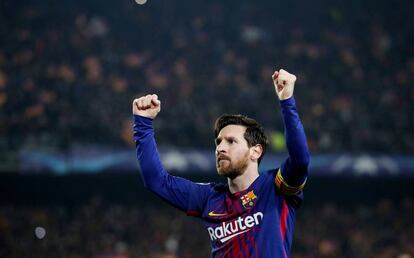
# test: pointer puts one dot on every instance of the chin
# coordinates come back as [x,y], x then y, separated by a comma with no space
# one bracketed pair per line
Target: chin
[229,173]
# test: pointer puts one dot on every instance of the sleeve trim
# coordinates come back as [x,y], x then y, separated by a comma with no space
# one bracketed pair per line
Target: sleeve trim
[284,187]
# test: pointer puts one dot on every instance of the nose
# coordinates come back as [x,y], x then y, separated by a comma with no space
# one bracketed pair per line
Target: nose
[220,148]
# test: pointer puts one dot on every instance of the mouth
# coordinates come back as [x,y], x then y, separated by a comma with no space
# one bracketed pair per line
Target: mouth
[222,157]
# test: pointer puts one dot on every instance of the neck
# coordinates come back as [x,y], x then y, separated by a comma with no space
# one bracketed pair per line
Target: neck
[243,181]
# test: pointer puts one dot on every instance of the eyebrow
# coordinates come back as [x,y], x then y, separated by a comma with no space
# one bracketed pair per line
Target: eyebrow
[219,139]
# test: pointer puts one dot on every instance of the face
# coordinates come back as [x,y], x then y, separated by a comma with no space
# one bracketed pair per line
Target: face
[232,151]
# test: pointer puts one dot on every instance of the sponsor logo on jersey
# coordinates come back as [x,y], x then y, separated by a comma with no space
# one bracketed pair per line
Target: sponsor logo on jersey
[230,229]
[248,199]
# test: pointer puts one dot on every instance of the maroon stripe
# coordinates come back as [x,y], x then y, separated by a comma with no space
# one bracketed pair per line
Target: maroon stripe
[244,247]
[239,238]
[237,248]
[238,206]
[283,220]
[253,240]
[221,207]
[249,242]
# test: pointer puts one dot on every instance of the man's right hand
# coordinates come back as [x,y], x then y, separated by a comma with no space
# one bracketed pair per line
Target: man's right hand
[147,106]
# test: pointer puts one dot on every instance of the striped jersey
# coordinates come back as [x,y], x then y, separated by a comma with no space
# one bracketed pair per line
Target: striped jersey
[256,222]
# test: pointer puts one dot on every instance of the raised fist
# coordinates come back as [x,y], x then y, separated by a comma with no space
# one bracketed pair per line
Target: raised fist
[147,106]
[284,83]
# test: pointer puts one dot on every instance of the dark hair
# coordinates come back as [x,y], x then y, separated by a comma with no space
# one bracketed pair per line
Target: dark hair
[254,132]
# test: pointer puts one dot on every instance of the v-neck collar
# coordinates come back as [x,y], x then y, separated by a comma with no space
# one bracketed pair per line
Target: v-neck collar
[243,192]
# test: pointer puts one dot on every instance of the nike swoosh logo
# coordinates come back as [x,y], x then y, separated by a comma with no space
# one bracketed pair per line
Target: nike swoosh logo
[230,237]
[212,214]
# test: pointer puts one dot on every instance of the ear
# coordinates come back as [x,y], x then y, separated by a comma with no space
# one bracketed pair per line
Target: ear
[256,152]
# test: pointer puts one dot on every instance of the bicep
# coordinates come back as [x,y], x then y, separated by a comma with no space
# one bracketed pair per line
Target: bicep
[182,193]
[286,187]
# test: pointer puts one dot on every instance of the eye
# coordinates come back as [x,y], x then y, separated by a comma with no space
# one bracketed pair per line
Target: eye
[231,141]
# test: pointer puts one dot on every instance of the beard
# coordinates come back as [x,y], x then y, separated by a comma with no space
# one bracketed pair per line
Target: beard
[232,169]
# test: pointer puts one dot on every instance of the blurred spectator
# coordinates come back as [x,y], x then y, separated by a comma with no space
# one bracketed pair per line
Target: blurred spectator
[69,70]
[102,230]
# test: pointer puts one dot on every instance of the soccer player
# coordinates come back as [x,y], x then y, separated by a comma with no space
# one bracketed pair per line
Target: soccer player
[253,215]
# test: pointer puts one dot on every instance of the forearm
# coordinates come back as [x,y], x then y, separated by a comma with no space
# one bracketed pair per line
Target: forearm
[152,171]
[175,190]
[295,168]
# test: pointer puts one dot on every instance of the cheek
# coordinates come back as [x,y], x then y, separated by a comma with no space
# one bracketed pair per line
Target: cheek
[242,153]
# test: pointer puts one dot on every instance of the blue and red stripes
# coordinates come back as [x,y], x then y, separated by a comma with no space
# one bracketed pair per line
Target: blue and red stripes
[284,224]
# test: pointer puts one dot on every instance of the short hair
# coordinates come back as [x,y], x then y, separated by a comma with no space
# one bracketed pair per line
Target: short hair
[254,132]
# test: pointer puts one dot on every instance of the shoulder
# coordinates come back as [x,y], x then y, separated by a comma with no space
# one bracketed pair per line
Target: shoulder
[270,174]
[210,188]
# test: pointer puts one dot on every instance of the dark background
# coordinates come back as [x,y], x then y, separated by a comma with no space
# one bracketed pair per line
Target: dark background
[69,71]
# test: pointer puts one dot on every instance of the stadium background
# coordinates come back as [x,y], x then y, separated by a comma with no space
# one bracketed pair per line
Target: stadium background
[69,71]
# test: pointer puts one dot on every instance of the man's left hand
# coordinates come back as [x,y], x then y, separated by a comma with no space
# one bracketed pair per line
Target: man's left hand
[284,83]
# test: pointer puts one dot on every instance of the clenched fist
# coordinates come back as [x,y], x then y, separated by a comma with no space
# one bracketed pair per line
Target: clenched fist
[284,83]
[147,106]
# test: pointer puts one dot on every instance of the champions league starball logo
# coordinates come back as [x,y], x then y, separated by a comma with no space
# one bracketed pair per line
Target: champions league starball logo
[248,200]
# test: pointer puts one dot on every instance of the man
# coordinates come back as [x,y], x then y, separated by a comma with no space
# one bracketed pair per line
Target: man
[253,214]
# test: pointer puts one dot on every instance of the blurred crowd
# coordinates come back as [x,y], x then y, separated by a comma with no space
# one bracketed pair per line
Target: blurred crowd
[70,70]
[102,230]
